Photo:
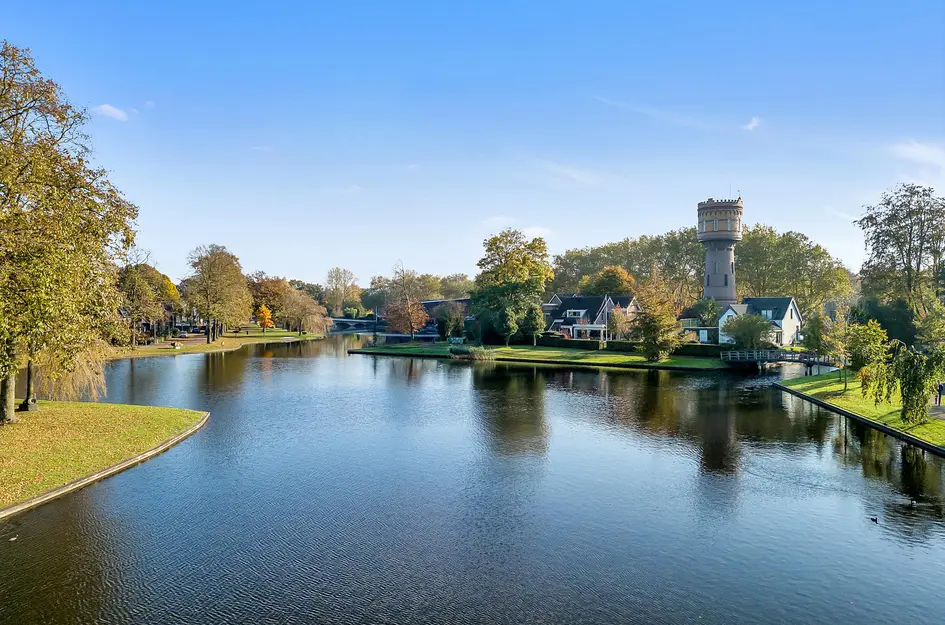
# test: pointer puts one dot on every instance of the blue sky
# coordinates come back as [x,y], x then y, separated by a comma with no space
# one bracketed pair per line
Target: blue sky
[358,134]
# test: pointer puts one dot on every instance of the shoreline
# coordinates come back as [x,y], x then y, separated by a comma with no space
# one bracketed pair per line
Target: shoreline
[214,348]
[561,363]
[79,483]
[876,425]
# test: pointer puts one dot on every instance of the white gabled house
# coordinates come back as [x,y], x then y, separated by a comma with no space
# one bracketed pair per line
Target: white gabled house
[783,313]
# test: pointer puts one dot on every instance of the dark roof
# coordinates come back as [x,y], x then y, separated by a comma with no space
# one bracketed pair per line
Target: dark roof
[779,306]
[689,313]
[622,300]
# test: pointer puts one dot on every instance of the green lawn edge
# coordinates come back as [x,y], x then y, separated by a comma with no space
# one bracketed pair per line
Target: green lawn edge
[65,441]
[828,388]
[227,343]
[553,356]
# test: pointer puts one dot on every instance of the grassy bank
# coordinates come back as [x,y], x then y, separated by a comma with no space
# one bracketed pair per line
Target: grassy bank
[829,388]
[551,356]
[64,441]
[197,343]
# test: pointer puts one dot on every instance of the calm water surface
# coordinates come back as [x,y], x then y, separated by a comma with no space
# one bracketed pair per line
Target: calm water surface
[357,489]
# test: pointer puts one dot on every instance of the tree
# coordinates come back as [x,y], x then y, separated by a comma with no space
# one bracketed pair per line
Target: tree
[456,286]
[749,331]
[303,314]
[377,296]
[837,341]
[618,323]
[268,291]
[532,323]
[914,374]
[406,317]
[708,311]
[655,324]
[218,289]
[340,285]
[63,225]
[610,280]
[408,313]
[868,344]
[905,241]
[513,275]
[931,326]
[315,291]
[450,317]
[264,318]
[815,327]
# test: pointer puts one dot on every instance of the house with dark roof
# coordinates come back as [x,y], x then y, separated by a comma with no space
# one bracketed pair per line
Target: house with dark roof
[782,312]
[585,316]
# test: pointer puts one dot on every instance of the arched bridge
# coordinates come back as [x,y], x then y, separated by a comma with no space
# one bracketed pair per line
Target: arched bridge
[344,323]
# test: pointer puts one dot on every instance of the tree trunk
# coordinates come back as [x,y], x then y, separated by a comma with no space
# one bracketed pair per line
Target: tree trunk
[29,402]
[209,331]
[7,391]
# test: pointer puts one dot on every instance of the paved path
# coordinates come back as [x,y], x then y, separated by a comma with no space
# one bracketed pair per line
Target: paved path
[937,412]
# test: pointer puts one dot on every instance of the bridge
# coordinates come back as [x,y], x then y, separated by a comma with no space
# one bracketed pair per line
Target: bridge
[763,356]
[356,324]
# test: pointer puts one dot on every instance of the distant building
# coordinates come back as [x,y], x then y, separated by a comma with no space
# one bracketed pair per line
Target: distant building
[783,313]
[585,316]
[719,229]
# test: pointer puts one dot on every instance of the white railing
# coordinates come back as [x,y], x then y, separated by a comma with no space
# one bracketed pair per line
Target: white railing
[772,355]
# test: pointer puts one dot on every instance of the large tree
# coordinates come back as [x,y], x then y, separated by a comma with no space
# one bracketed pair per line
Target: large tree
[513,275]
[269,291]
[611,280]
[456,286]
[340,286]
[63,225]
[905,242]
[303,314]
[405,313]
[749,331]
[655,325]
[217,289]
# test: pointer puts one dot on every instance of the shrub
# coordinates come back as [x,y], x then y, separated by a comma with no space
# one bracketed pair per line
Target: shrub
[470,352]
[622,346]
[549,341]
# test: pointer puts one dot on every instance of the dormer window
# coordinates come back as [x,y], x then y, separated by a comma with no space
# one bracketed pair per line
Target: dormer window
[767,314]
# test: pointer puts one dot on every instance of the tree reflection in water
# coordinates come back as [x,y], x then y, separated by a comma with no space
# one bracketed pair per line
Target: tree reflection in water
[512,408]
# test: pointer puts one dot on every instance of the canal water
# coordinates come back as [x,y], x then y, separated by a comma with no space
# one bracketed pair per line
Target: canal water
[329,488]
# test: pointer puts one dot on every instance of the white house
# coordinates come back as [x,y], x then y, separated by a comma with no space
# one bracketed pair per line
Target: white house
[783,313]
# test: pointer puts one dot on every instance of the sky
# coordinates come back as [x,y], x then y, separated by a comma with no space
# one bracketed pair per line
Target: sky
[304,136]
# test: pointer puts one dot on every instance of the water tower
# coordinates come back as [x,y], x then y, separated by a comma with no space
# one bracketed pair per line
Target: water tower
[720,228]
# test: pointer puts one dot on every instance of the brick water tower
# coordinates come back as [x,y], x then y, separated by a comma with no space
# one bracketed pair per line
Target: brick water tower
[720,228]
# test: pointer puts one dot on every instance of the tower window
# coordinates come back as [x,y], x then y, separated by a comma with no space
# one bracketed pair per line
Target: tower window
[733,267]
[707,279]
[716,267]
[716,225]
[728,225]
[726,279]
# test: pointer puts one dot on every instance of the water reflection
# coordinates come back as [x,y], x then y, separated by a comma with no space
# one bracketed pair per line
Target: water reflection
[329,488]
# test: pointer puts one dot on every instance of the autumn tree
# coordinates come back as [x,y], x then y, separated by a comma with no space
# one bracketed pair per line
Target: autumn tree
[268,291]
[611,280]
[264,318]
[63,225]
[618,323]
[217,289]
[304,314]
[513,275]
[405,313]
[655,325]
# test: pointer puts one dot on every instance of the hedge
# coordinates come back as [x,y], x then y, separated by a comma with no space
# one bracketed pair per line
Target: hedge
[551,341]
[702,350]
[622,346]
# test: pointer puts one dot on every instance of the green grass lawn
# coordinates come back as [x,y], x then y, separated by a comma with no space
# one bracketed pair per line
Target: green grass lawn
[829,388]
[552,355]
[197,343]
[64,441]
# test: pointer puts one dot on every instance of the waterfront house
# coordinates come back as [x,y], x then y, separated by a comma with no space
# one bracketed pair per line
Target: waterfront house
[585,316]
[782,312]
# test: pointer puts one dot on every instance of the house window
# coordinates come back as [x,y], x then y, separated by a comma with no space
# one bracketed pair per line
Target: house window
[792,313]
[726,279]
[716,225]
[767,314]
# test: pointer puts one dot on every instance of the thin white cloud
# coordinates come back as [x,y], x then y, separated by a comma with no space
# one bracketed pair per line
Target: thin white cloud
[841,214]
[664,115]
[921,153]
[572,173]
[752,124]
[149,104]
[107,110]
[532,232]
[497,221]
[133,111]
